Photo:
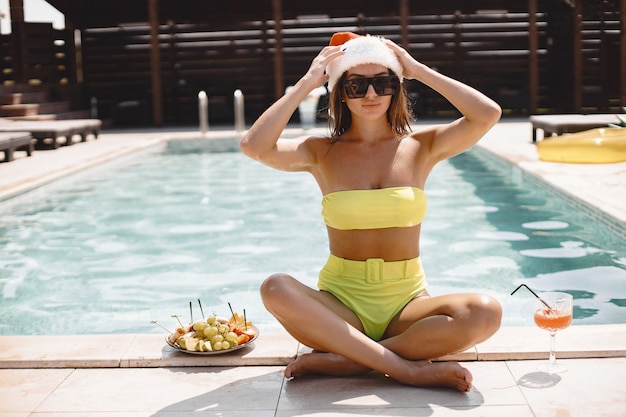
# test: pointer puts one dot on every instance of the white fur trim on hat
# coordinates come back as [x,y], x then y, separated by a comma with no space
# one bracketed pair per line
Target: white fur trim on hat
[363,50]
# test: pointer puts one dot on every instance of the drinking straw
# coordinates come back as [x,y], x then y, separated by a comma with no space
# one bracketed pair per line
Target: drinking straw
[533,293]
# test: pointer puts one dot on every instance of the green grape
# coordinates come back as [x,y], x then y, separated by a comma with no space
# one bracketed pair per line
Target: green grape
[210,331]
[211,320]
[217,338]
[225,345]
[199,326]
[231,337]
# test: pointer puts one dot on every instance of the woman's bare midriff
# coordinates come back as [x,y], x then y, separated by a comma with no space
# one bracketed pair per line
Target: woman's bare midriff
[392,244]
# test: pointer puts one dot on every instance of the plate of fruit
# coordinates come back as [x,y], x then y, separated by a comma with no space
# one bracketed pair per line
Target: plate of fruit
[213,335]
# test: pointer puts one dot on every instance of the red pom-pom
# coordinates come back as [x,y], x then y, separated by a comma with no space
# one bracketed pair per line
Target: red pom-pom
[340,38]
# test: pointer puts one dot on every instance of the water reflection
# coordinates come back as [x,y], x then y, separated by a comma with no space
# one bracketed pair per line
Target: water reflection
[135,240]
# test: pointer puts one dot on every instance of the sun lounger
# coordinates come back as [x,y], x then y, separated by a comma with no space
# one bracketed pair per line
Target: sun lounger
[51,130]
[83,127]
[557,124]
[15,141]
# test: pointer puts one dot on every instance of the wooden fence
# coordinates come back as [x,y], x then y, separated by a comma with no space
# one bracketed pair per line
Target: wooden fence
[488,50]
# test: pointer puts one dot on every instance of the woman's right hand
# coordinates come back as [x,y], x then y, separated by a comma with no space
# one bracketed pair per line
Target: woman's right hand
[317,71]
[262,143]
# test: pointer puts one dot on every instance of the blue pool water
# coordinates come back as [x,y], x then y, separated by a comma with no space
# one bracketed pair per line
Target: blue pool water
[112,248]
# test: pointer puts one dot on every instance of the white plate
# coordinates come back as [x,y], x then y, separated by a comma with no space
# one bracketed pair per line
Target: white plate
[215,352]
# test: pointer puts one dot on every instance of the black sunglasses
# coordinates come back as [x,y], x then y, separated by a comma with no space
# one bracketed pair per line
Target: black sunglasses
[383,86]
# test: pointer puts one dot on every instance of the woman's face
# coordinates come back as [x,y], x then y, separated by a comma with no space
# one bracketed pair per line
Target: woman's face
[368,103]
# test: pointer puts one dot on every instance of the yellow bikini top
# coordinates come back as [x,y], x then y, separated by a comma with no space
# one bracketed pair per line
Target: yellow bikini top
[374,209]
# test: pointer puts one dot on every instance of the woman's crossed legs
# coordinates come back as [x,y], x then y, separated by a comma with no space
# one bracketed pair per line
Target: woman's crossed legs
[427,328]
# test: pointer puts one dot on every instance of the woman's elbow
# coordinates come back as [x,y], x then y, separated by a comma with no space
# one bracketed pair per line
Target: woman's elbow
[493,112]
[247,149]
[244,146]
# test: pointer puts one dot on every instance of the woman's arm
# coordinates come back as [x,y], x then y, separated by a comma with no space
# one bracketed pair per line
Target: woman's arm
[479,112]
[262,140]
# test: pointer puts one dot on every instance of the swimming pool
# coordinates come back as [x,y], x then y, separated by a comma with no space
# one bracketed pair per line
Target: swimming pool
[112,248]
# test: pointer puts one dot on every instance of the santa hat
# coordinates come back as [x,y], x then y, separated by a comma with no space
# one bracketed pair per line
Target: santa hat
[360,50]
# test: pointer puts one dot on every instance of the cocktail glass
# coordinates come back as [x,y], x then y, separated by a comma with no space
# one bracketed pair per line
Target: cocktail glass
[557,316]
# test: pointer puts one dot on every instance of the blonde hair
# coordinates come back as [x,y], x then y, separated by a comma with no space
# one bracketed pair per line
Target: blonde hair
[399,113]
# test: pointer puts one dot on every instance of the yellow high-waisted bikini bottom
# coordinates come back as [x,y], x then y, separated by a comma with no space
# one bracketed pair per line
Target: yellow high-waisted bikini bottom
[374,290]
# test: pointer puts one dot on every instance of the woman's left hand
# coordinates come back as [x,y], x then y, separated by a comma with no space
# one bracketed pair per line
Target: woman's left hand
[409,64]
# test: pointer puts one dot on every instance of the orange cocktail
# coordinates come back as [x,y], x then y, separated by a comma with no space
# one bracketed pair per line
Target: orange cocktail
[553,320]
[555,312]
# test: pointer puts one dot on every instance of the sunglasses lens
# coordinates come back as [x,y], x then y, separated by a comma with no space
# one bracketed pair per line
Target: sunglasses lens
[356,88]
[383,86]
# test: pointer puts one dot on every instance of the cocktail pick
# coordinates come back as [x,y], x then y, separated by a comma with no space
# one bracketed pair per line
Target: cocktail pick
[231,309]
[245,321]
[533,293]
[201,311]
[176,316]
[159,324]
[191,311]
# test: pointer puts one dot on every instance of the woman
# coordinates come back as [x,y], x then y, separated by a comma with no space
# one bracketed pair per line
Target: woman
[372,310]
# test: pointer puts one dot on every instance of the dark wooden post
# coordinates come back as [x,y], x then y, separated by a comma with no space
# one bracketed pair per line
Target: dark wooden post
[74,58]
[577,38]
[404,23]
[279,81]
[18,38]
[155,63]
[16,10]
[533,63]
[622,42]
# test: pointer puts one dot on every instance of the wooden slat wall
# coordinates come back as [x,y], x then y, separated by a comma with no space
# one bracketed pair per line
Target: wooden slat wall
[487,50]
[193,58]
[116,71]
[42,54]
[601,56]
[6,63]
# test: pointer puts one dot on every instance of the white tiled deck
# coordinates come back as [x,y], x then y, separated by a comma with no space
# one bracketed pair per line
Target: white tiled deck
[138,375]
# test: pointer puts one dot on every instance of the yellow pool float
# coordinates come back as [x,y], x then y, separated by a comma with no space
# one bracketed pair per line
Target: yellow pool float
[595,146]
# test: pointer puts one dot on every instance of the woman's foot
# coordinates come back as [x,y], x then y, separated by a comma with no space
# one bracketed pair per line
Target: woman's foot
[437,374]
[323,363]
[418,373]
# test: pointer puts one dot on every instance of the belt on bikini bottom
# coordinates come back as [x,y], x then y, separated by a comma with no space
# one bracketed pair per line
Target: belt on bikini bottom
[375,270]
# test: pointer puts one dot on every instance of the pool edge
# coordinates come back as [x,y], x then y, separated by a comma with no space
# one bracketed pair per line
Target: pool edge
[279,348]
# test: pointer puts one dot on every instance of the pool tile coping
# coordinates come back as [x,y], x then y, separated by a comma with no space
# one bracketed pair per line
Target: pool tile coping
[277,349]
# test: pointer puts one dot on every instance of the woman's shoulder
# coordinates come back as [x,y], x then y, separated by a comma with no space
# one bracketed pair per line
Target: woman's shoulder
[316,141]
[422,137]
[423,133]
[316,145]
[307,140]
